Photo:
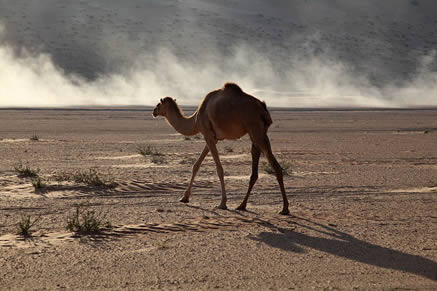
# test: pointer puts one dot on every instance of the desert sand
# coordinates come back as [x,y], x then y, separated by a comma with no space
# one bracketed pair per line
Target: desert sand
[362,189]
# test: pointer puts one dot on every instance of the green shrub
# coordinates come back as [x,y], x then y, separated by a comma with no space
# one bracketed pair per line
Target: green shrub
[162,245]
[86,222]
[159,160]
[90,177]
[188,160]
[228,149]
[286,168]
[38,183]
[93,178]
[25,171]
[24,225]
[147,150]
[62,176]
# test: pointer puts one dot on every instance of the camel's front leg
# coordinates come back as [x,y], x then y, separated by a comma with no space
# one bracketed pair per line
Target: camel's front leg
[212,147]
[253,177]
[196,167]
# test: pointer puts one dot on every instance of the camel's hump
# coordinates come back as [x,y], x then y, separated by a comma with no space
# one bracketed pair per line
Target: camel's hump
[232,86]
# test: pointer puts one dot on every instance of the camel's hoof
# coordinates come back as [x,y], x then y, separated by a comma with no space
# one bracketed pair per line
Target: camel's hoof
[184,199]
[222,206]
[285,212]
[241,207]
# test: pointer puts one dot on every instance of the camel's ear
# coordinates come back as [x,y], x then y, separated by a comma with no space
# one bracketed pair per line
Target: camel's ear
[161,100]
[174,100]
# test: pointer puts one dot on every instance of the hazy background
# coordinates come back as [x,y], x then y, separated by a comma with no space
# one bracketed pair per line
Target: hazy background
[295,53]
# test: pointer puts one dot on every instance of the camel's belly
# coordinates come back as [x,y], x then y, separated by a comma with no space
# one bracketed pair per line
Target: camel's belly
[228,126]
[230,133]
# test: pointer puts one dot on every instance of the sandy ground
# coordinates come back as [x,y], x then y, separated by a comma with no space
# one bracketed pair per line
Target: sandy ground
[362,194]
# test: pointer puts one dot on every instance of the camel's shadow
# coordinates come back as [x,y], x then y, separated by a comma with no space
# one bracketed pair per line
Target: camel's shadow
[344,245]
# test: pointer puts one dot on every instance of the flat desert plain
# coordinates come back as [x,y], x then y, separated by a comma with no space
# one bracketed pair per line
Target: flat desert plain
[362,187]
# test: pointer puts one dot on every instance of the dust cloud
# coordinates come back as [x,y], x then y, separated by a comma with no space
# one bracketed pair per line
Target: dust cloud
[316,79]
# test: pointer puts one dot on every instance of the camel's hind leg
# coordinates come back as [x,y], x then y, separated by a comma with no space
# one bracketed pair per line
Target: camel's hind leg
[264,143]
[256,152]
[196,167]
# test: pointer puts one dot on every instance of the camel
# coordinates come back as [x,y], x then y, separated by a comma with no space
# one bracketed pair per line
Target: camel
[226,113]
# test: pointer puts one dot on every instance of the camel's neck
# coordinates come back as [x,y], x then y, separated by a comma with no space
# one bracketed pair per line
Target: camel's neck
[182,124]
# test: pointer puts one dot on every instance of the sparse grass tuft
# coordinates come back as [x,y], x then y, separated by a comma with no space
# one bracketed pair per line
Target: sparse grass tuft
[286,168]
[158,160]
[144,150]
[38,183]
[90,177]
[93,178]
[25,224]
[187,160]
[191,137]
[229,149]
[162,245]
[268,169]
[25,171]
[62,176]
[34,137]
[86,222]
[147,150]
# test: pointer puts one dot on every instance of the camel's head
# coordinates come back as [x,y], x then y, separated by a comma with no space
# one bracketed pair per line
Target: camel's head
[163,106]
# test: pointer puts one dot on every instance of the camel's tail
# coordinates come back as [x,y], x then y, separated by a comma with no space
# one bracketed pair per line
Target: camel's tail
[266,115]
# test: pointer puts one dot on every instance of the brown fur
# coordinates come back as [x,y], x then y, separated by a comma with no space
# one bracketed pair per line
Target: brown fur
[226,113]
